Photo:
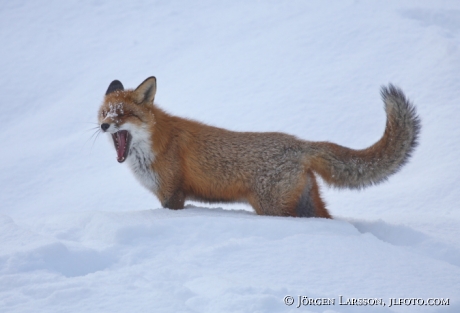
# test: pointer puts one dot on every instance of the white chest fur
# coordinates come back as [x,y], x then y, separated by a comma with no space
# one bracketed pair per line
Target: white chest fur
[141,156]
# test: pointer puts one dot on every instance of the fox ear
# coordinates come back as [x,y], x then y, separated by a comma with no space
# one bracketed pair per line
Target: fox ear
[146,91]
[114,86]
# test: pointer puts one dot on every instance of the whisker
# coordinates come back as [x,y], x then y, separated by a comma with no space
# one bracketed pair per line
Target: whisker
[95,135]
[93,128]
[95,138]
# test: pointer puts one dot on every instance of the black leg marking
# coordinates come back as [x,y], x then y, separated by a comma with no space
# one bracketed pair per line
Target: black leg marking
[176,201]
[306,207]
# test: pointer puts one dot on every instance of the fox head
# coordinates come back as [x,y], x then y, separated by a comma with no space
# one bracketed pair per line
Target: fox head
[127,115]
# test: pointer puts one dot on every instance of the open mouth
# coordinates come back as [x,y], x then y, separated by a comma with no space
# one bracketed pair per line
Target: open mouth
[121,140]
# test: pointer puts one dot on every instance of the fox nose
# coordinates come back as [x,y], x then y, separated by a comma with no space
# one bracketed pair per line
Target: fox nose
[105,126]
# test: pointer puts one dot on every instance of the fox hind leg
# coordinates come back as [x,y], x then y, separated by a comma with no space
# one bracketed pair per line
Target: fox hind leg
[310,203]
[302,201]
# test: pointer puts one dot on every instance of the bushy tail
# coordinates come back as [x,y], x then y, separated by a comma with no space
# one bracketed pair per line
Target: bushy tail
[344,167]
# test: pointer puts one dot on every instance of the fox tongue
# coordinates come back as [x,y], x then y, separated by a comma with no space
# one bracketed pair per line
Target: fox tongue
[122,138]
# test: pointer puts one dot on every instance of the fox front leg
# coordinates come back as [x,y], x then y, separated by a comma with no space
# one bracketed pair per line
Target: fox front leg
[174,202]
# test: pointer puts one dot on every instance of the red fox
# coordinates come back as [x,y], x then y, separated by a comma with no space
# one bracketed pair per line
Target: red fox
[180,159]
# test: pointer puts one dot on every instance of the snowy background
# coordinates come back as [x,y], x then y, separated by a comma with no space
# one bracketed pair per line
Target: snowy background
[78,233]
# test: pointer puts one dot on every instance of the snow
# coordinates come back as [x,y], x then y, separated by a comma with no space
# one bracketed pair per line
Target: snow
[80,234]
